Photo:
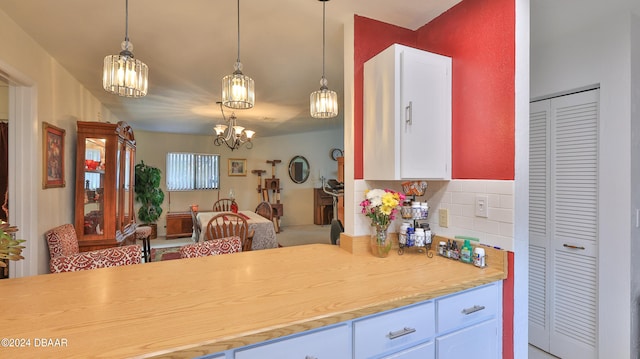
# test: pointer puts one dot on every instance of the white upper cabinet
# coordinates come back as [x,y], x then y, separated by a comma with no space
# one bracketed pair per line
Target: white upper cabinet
[407,115]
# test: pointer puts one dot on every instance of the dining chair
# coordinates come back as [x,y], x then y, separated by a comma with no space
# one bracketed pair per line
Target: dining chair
[265,210]
[196,227]
[66,256]
[225,205]
[211,248]
[227,225]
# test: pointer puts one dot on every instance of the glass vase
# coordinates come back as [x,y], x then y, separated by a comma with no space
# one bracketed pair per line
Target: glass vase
[380,240]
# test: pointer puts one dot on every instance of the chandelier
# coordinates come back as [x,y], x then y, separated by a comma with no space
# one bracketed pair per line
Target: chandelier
[324,102]
[231,134]
[237,89]
[122,74]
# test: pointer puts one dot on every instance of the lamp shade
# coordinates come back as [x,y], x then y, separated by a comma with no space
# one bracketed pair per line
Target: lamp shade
[125,76]
[324,103]
[238,91]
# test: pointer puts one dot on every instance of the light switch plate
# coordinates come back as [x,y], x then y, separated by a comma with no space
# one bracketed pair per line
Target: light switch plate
[482,206]
[443,218]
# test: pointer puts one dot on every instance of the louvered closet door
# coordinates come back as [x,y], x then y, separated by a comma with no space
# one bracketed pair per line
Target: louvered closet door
[563,231]
[538,219]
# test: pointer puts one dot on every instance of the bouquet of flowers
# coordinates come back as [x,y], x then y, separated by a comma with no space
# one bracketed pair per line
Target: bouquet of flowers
[381,205]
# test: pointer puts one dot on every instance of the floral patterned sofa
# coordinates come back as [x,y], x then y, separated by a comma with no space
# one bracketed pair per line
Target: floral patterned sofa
[212,247]
[66,256]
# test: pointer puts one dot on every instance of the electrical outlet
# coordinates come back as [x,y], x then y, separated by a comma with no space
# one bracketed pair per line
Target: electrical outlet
[482,206]
[443,218]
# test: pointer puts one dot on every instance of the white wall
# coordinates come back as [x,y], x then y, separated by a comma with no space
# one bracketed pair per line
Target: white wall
[635,180]
[60,100]
[599,53]
[297,199]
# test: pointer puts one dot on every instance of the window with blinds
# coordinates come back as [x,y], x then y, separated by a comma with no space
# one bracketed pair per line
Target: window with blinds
[192,171]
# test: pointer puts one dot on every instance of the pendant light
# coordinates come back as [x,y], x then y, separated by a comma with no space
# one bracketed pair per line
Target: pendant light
[122,74]
[237,89]
[324,102]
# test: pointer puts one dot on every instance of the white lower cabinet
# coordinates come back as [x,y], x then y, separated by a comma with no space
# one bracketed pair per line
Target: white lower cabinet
[459,325]
[477,341]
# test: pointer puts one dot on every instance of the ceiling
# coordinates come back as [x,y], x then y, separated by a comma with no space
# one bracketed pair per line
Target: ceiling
[190,45]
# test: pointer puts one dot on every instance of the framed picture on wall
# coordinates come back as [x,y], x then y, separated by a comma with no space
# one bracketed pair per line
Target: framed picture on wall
[237,167]
[52,156]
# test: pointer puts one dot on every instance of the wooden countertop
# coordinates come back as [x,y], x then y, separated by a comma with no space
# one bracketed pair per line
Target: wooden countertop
[185,308]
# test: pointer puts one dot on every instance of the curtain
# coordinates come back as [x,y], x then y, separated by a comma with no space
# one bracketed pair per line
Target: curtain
[4,171]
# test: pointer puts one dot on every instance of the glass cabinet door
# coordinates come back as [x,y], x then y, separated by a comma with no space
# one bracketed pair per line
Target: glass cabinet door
[94,176]
[128,187]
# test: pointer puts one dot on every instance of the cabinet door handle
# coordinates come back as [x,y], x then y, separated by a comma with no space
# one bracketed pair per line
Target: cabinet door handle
[572,246]
[310,357]
[401,332]
[408,114]
[475,308]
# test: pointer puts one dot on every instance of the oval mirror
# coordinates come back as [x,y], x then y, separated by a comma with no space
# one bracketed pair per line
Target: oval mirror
[299,169]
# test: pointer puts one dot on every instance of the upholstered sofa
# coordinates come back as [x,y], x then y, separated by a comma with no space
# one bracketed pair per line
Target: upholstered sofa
[66,256]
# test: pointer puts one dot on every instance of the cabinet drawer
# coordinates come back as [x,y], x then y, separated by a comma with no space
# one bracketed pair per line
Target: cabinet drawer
[395,329]
[422,351]
[468,307]
[331,343]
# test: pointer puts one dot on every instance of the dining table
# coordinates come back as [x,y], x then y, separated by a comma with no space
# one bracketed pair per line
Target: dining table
[264,236]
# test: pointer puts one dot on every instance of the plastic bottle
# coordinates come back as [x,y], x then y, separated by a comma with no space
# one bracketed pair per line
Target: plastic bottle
[465,252]
[479,257]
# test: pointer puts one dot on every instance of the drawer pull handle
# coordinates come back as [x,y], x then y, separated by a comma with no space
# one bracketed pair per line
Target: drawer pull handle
[309,357]
[573,247]
[475,308]
[401,332]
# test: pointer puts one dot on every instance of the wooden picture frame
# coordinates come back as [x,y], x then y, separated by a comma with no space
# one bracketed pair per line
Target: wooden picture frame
[52,156]
[237,167]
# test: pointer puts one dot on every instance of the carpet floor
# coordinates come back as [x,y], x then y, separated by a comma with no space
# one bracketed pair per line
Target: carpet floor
[164,254]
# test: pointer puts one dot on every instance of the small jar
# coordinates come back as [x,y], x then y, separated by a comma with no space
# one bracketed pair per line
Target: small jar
[402,236]
[410,237]
[424,210]
[442,248]
[419,237]
[416,210]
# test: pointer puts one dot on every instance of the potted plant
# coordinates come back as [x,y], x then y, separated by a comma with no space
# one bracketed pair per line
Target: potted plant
[149,194]
[10,248]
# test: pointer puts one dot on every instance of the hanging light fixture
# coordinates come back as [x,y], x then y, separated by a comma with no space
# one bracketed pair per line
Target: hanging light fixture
[237,89]
[231,134]
[122,74]
[324,102]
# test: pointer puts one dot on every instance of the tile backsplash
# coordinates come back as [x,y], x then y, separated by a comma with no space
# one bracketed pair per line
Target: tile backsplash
[458,197]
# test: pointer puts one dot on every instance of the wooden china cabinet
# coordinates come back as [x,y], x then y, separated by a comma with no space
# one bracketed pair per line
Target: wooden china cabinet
[105,160]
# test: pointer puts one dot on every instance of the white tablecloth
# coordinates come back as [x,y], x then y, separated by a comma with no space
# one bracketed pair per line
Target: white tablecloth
[264,233]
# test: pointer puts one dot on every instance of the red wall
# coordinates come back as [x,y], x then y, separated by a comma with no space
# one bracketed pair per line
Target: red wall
[479,35]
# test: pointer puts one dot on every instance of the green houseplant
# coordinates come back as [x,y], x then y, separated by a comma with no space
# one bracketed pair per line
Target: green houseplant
[10,248]
[149,194]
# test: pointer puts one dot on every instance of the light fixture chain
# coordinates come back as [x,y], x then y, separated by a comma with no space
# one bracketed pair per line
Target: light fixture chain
[323,35]
[126,21]
[238,60]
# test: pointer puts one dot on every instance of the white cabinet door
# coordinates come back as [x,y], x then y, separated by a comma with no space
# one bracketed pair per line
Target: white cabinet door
[407,115]
[331,343]
[425,97]
[477,342]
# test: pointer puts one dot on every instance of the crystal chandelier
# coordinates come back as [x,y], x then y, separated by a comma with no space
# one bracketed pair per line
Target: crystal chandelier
[237,89]
[122,74]
[231,134]
[324,102]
